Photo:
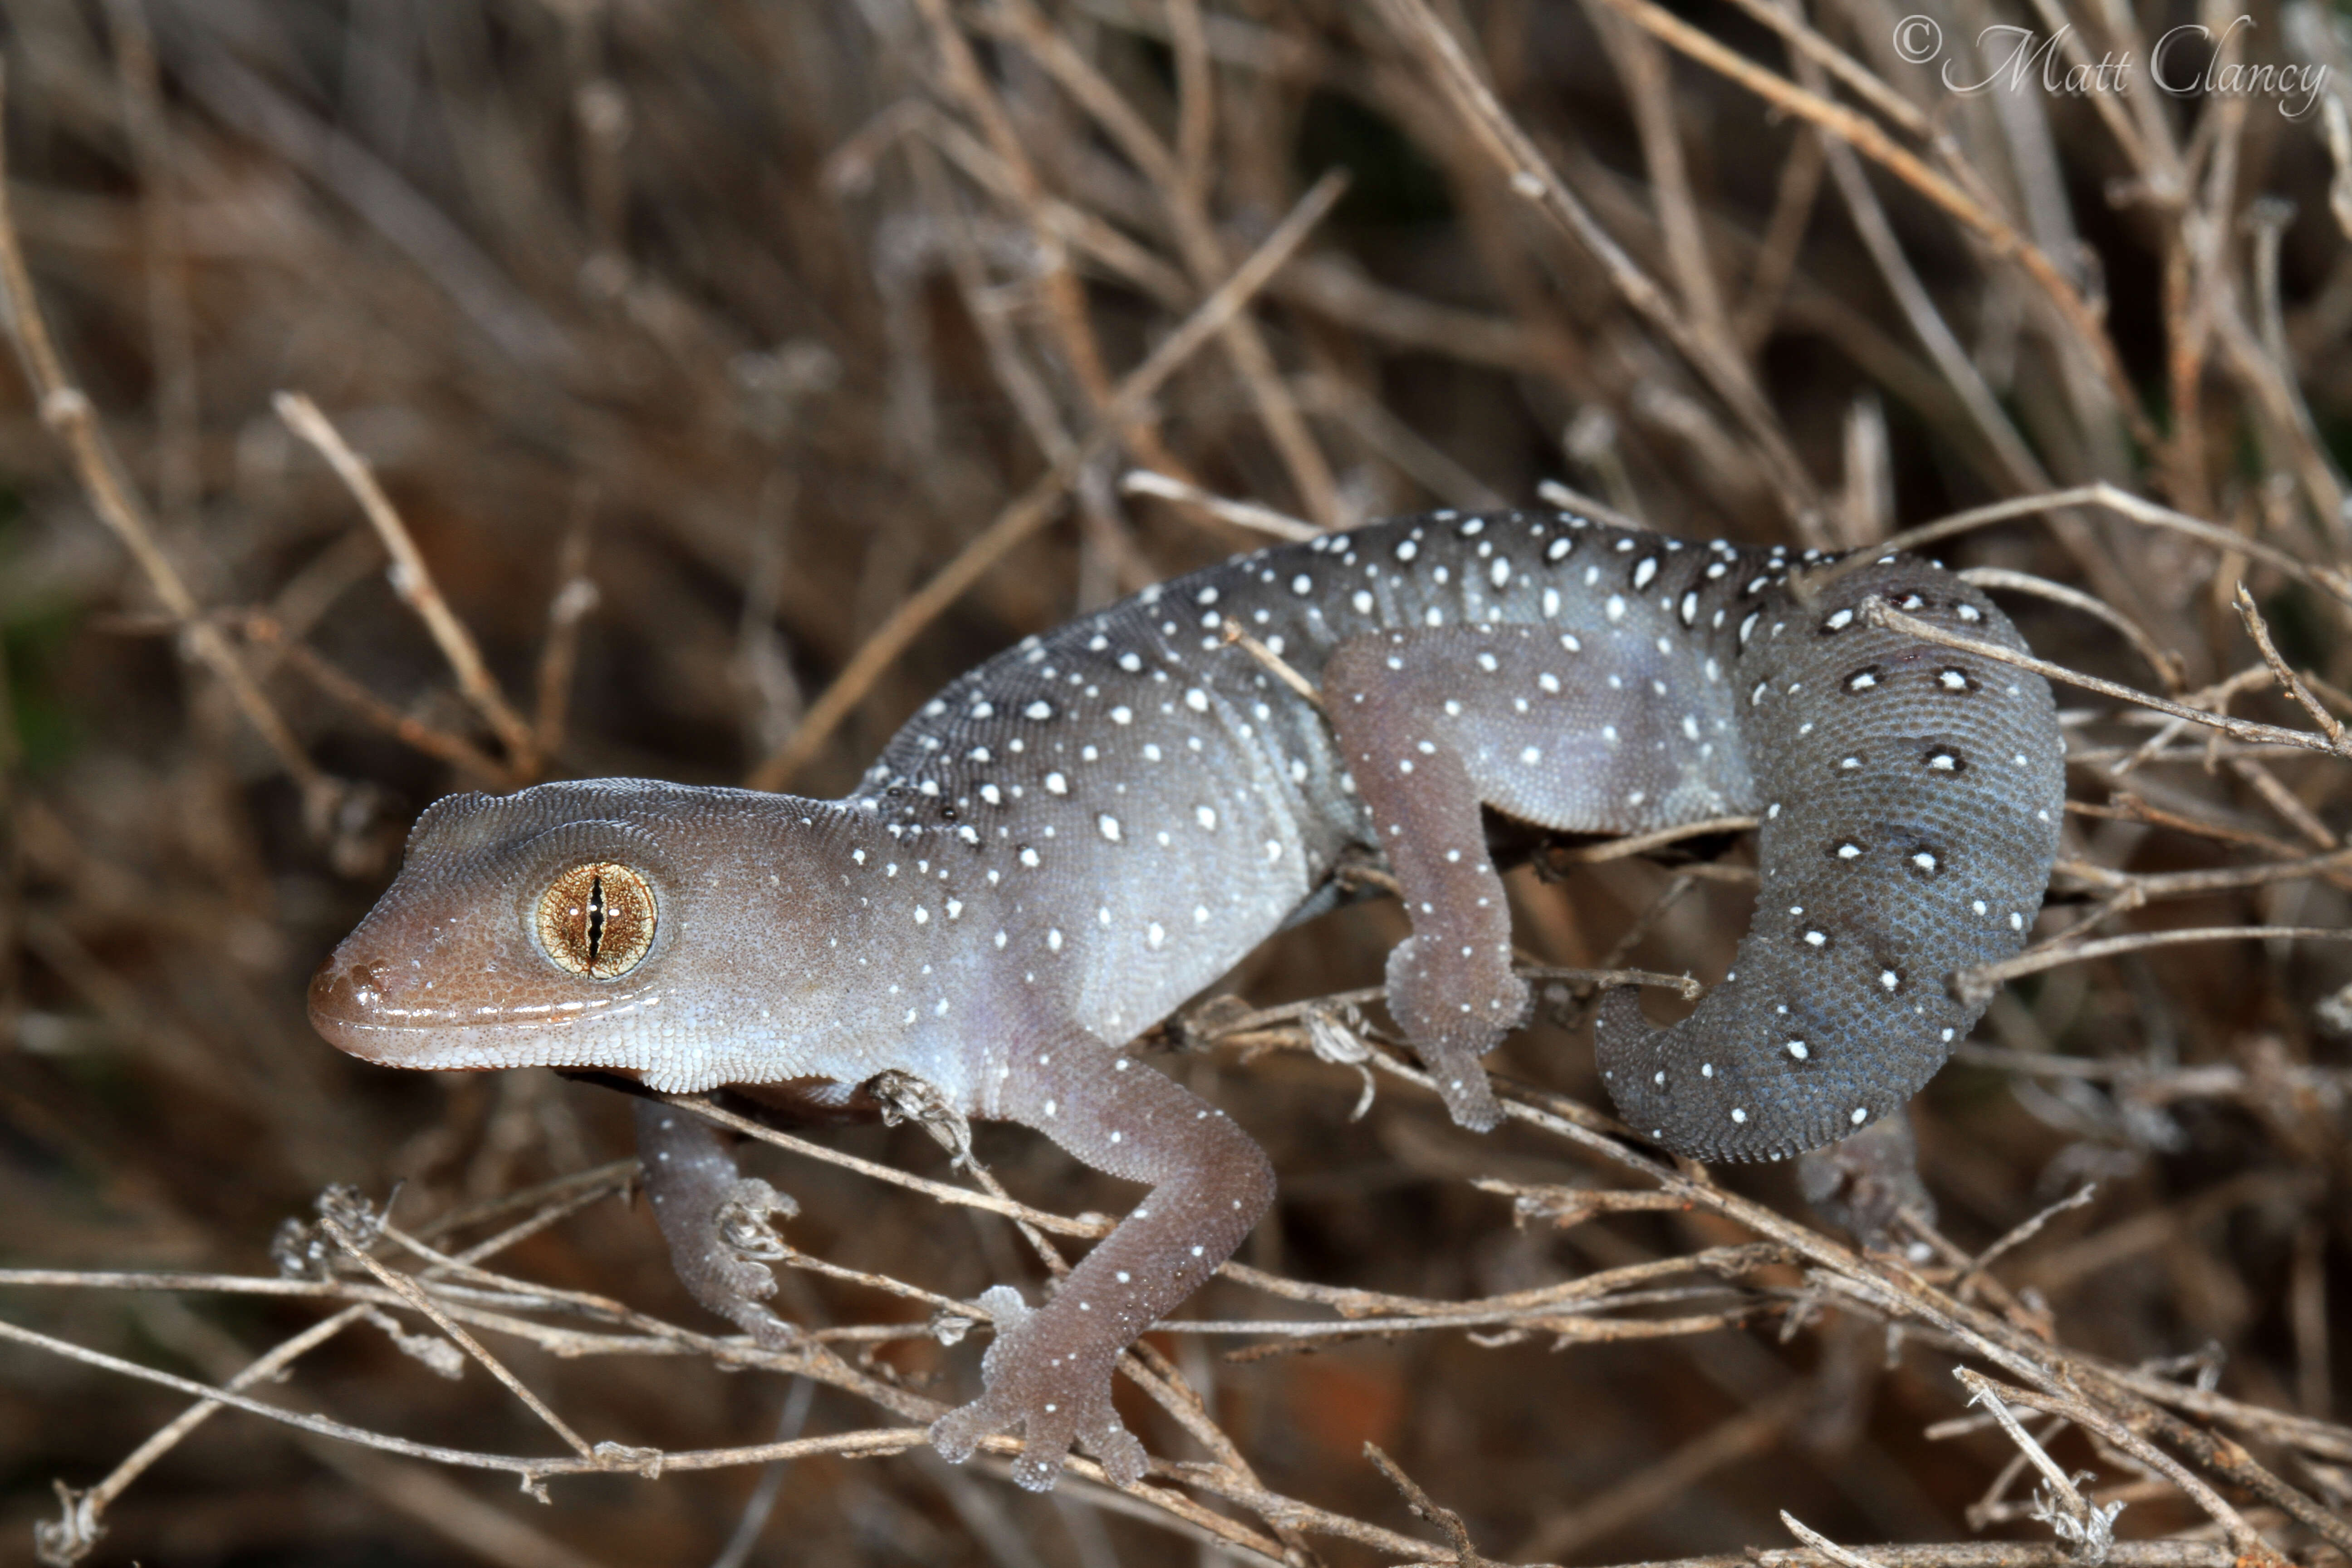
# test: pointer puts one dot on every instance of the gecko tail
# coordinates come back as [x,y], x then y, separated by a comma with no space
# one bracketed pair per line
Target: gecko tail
[1746,1077]
[1910,796]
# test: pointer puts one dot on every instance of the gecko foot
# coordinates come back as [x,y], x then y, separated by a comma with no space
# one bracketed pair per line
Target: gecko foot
[725,1273]
[1455,1013]
[1057,1400]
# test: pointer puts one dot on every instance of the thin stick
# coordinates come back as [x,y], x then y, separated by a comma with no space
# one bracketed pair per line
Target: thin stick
[1876,611]
[2114,498]
[339,686]
[1569,499]
[575,596]
[2259,629]
[1036,505]
[2165,663]
[412,579]
[407,1289]
[1230,629]
[1975,986]
[66,411]
[940,1190]
[1241,513]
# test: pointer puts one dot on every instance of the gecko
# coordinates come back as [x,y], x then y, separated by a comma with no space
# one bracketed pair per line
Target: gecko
[1078,835]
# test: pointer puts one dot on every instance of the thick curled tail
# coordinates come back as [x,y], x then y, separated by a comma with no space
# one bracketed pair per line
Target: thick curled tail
[1910,798]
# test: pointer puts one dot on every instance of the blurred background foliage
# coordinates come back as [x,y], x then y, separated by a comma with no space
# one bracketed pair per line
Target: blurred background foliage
[690,340]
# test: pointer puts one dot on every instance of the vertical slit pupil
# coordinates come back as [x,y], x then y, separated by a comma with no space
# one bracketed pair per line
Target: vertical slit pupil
[596,918]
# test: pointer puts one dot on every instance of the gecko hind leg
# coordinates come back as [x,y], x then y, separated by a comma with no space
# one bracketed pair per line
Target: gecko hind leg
[1434,723]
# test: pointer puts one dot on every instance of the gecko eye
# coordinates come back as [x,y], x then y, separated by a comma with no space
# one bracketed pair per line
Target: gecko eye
[597,919]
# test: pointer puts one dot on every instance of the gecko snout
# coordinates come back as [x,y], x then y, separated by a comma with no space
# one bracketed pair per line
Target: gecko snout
[352,1005]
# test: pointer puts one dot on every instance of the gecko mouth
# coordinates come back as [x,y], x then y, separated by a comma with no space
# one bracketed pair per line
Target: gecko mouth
[364,1008]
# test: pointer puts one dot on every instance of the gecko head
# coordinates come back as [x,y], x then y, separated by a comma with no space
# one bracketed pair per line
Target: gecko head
[535,929]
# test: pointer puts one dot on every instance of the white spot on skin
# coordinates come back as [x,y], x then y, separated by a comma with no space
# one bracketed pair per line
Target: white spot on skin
[1739,1116]
[1056,785]
[1197,700]
[1038,710]
[922,916]
[1110,825]
[1839,622]
[1817,939]
[1531,756]
[1798,1050]
[1054,941]
[1644,572]
[1206,815]
[1615,608]
[1122,715]
[1861,1114]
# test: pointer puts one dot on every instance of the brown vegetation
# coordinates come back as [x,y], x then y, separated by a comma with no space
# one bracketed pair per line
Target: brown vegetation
[449,394]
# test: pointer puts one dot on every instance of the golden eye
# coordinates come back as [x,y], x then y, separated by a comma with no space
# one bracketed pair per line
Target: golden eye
[597,919]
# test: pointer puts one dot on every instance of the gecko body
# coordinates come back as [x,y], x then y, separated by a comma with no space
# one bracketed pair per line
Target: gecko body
[1084,831]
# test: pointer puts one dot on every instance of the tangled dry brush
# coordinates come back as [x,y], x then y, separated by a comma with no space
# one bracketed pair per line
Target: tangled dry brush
[419,394]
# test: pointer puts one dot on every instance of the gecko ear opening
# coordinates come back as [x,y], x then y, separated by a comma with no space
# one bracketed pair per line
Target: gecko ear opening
[596,920]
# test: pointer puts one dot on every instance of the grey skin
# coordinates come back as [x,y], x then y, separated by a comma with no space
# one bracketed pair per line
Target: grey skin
[1083,832]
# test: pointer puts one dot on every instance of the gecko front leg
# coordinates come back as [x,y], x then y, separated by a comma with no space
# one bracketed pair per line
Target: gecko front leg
[704,1208]
[1049,1371]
